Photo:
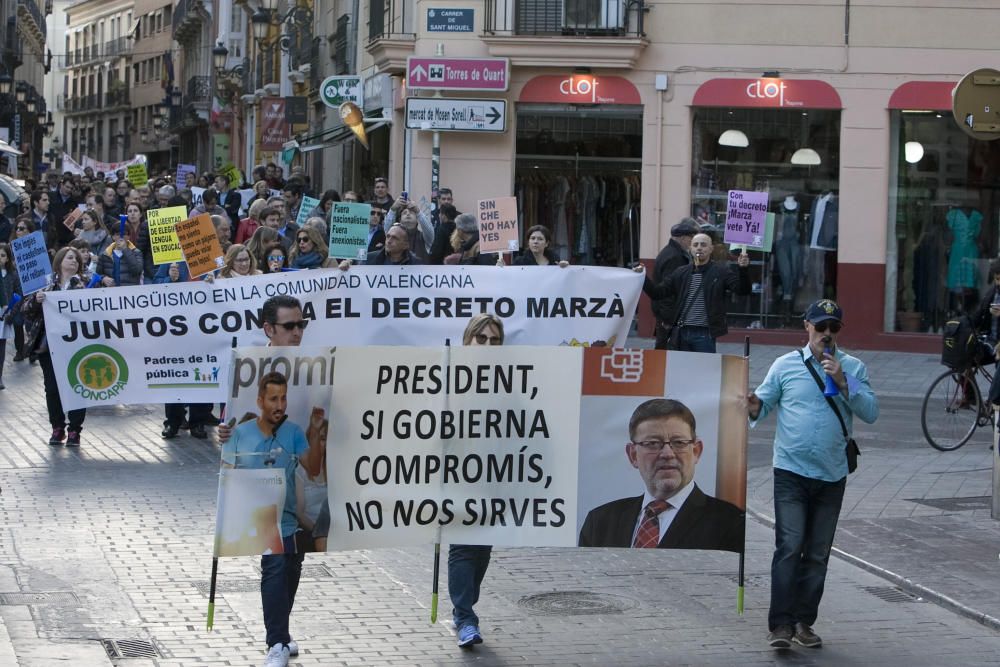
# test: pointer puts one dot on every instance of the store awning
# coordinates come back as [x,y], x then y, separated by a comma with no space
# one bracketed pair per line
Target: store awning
[579,89]
[767,93]
[923,96]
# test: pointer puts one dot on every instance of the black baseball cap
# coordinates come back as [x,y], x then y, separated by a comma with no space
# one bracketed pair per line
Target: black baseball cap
[823,310]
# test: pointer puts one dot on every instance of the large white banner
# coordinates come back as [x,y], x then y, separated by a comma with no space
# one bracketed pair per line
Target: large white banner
[171,343]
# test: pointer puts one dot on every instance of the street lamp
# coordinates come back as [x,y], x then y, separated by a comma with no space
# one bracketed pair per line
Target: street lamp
[6,83]
[261,21]
[30,106]
[144,136]
[22,91]
[219,55]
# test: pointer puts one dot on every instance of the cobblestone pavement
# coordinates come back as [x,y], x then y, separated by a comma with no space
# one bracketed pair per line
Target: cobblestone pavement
[113,542]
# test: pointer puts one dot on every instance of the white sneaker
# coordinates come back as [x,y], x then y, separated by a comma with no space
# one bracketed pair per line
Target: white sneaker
[293,647]
[277,656]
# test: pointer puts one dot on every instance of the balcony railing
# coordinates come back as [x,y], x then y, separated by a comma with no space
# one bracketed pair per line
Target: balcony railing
[117,98]
[198,93]
[607,18]
[390,18]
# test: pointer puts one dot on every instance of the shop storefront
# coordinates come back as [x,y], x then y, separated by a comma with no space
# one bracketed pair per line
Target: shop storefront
[944,205]
[578,165]
[780,136]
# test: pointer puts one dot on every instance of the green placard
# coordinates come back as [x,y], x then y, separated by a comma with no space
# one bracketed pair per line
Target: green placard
[349,230]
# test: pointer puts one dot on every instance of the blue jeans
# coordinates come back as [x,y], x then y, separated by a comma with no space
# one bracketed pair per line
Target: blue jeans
[467,565]
[279,580]
[696,339]
[805,518]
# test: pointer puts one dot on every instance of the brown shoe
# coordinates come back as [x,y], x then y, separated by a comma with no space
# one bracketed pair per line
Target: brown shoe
[804,636]
[781,637]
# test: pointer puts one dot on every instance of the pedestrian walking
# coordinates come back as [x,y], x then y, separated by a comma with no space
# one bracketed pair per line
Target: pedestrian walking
[810,466]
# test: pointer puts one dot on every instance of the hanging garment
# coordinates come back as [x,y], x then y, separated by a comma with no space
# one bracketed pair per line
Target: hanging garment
[825,212]
[965,227]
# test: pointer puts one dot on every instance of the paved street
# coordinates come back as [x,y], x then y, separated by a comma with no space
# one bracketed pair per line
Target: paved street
[112,542]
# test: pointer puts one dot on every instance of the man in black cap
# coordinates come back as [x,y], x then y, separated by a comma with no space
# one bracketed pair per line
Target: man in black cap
[810,466]
[673,256]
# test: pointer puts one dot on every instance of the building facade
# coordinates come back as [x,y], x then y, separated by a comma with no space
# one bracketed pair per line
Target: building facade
[98,83]
[624,117]
[23,63]
[55,85]
[152,66]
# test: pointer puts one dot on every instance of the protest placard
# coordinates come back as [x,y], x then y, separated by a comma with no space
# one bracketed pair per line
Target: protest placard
[497,224]
[34,268]
[183,169]
[200,244]
[70,220]
[163,233]
[305,208]
[768,237]
[248,511]
[349,230]
[196,196]
[234,174]
[137,175]
[745,218]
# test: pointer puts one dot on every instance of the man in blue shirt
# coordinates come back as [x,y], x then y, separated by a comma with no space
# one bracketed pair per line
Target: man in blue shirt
[271,441]
[810,467]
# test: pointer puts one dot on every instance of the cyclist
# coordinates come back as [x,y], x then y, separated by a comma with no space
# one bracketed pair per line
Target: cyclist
[986,320]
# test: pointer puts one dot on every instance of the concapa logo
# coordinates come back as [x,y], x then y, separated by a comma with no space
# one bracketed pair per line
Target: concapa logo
[97,372]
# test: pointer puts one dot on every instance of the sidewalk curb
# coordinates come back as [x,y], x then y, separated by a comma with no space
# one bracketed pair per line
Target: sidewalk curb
[906,584]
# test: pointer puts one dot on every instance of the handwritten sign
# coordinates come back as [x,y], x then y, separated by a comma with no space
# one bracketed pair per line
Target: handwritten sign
[196,196]
[497,224]
[137,174]
[305,208]
[745,218]
[32,260]
[200,244]
[182,170]
[349,229]
[163,233]
[768,237]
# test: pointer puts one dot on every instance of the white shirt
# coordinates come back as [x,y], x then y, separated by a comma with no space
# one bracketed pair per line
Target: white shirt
[667,516]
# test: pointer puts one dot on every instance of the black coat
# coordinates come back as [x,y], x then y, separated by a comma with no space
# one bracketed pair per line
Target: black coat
[380,258]
[672,257]
[378,240]
[703,522]
[441,246]
[527,258]
[718,280]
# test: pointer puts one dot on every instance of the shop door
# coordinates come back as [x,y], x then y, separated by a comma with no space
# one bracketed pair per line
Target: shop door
[578,172]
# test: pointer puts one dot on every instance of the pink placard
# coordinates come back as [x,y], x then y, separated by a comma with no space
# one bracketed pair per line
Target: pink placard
[746,216]
[497,224]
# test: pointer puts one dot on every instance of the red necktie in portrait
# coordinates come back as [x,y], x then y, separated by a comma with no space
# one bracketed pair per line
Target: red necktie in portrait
[648,535]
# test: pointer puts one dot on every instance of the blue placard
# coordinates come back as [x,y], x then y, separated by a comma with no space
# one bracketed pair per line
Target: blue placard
[450,20]
[32,260]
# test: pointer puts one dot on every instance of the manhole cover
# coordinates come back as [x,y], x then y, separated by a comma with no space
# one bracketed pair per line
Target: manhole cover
[576,603]
[966,504]
[16,599]
[310,571]
[129,648]
[892,594]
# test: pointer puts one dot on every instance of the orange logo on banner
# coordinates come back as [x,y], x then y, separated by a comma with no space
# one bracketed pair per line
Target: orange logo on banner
[617,372]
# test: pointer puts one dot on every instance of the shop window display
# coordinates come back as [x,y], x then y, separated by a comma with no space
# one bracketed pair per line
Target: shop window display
[944,196]
[779,157]
[578,172]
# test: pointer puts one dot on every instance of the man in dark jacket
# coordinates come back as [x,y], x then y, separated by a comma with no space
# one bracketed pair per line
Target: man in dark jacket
[699,292]
[673,256]
[441,247]
[396,249]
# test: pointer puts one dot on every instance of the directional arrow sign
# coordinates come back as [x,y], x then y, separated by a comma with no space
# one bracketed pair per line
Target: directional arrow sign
[457,73]
[456,115]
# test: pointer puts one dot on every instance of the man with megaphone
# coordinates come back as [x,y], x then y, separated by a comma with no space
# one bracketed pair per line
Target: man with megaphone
[813,454]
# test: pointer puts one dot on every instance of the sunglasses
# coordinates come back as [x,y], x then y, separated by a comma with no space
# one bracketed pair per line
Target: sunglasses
[303,239]
[22,229]
[833,326]
[291,326]
[276,258]
[483,339]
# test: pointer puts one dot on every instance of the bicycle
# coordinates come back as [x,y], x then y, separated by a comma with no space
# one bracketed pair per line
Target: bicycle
[954,408]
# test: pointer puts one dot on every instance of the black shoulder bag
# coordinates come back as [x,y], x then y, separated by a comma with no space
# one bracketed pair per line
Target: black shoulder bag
[674,340]
[852,450]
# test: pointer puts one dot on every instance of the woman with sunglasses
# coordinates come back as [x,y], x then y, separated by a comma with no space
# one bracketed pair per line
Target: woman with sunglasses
[275,258]
[23,226]
[65,276]
[467,563]
[262,238]
[309,251]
